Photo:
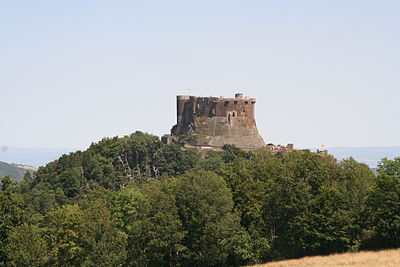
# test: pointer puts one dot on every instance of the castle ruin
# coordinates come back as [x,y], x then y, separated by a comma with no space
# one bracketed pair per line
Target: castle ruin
[216,121]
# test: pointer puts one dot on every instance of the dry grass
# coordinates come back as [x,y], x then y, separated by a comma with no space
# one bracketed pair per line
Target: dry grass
[357,259]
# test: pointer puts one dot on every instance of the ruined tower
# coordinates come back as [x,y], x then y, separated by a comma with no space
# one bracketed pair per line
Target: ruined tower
[216,121]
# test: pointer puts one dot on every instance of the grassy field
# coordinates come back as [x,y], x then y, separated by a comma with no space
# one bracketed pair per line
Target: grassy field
[358,259]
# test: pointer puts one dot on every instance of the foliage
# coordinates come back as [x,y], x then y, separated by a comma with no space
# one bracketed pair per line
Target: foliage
[205,207]
[383,219]
[297,204]
[27,246]
[134,201]
[149,217]
[113,163]
[11,213]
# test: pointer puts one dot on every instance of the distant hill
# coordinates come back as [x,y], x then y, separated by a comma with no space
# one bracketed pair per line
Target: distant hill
[16,171]
[32,156]
[41,156]
[368,155]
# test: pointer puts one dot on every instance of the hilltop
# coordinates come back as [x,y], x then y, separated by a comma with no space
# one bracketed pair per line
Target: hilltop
[35,157]
[136,201]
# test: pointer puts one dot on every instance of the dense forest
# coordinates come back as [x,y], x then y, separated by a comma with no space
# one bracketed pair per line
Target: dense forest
[133,201]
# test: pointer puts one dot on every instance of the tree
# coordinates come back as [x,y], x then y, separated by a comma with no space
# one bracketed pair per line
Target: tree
[150,219]
[232,152]
[65,226]
[27,246]
[248,182]
[205,207]
[86,234]
[11,212]
[174,160]
[104,243]
[212,162]
[298,204]
[384,207]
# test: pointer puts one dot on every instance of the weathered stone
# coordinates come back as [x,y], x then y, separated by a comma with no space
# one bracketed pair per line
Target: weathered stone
[216,121]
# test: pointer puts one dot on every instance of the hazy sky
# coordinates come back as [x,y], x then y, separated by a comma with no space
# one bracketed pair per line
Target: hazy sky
[323,72]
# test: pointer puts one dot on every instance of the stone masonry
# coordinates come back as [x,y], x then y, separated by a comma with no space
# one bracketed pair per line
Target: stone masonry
[216,121]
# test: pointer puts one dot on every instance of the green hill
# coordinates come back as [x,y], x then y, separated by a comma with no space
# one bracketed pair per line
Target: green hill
[135,201]
[16,172]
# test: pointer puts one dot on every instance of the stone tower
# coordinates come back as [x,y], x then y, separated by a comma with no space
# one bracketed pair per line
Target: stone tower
[216,121]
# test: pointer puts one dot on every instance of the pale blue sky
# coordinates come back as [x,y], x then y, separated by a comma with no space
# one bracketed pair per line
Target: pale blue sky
[323,72]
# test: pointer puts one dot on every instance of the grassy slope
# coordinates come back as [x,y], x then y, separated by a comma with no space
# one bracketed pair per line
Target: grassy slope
[358,259]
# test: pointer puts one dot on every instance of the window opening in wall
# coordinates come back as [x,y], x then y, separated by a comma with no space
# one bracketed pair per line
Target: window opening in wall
[212,112]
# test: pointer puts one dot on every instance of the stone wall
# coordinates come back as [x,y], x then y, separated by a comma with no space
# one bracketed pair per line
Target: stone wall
[216,121]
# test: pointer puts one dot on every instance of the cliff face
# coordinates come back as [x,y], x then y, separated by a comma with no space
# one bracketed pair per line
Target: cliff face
[216,121]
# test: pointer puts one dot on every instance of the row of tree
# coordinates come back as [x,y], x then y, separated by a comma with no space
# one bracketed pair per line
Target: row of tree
[134,201]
